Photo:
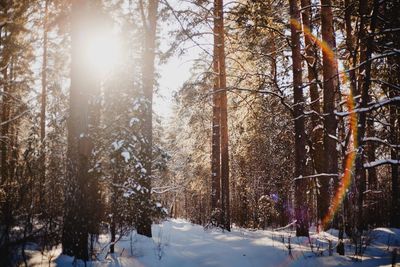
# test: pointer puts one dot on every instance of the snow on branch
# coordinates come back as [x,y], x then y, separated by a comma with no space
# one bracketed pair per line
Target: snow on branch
[386,83]
[286,226]
[378,140]
[164,189]
[14,118]
[268,92]
[317,176]
[380,162]
[372,106]
[369,191]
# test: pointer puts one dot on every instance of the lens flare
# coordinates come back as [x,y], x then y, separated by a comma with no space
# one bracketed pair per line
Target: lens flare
[346,177]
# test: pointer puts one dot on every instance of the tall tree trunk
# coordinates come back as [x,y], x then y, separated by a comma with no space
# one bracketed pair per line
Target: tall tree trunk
[144,223]
[352,62]
[44,75]
[42,174]
[317,132]
[216,136]
[75,232]
[352,57]
[330,88]
[366,42]
[301,207]
[394,113]
[6,217]
[220,46]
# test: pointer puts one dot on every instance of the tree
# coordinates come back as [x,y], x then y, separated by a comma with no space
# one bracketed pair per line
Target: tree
[364,86]
[220,121]
[317,149]
[301,207]
[16,77]
[216,134]
[148,72]
[76,229]
[330,92]
[43,102]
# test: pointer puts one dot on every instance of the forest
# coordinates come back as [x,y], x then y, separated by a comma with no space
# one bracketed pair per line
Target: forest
[286,127]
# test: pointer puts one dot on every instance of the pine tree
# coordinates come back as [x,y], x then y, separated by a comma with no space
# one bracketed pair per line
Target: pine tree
[76,229]
[148,72]
[330,92]
[301,208]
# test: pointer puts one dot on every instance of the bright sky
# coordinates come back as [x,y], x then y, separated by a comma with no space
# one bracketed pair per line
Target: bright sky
[173,73]
[172,76]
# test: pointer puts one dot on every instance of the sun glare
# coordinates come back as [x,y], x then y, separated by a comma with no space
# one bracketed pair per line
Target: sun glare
[101,52]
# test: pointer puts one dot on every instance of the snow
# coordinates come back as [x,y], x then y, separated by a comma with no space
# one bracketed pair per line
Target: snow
[319,175]
[382,141]
[371,106]
[381,162]
[133,121]
[117,144]
[126,155]
[177,242]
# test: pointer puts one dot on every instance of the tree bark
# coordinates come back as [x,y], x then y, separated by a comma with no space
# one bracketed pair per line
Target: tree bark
[349,8]
[44,76]
[371,147]
[150,24]
[394,113]
[43,112]
[366,42]
[317,131]
[301,207]
[220,45]
[75,232]
[330,88]
[113,233]
[6,217]
[216,129]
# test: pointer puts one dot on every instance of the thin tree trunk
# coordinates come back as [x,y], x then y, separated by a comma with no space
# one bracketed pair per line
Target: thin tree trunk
[44,76]
[371,147]
[301,207]
[42,174]
[113,232]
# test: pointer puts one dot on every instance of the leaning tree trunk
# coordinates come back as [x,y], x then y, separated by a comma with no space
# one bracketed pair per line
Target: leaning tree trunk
[301,207]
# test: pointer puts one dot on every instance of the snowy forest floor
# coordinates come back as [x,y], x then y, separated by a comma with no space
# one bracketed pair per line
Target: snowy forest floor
[179,243]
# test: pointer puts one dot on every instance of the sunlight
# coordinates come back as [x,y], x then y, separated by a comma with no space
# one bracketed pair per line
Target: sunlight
[101,52]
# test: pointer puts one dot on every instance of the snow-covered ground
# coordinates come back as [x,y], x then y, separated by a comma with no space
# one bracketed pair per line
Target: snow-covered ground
[178,243]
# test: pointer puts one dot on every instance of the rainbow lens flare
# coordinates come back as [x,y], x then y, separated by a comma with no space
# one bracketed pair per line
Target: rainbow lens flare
[346,177]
